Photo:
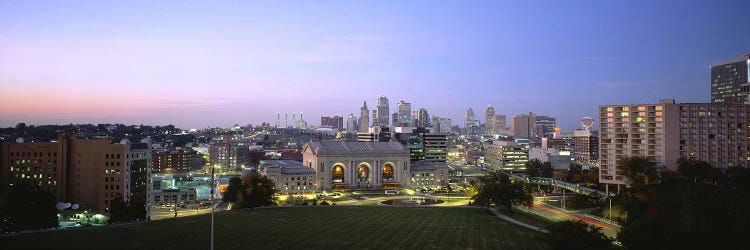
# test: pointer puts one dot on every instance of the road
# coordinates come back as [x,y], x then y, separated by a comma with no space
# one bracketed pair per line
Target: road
[555,214]
[159,213]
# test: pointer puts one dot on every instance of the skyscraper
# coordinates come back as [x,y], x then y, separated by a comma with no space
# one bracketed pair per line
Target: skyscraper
[469,118]
[404,114]
[545,126]
[380,114]
[499,126]
[523,126]
[730,81]
[352,124]
[489,120]
[364,119]
[336,122]
[423,118]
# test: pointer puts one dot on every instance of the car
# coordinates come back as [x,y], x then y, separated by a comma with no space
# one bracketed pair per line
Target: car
[391,192]
[171,209]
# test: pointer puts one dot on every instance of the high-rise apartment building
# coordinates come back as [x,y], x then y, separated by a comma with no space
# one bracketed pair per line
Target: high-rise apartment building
[381,113]
[364,119]
[523,126]
[664,132]
[173,161]
[545,126]
[586,150]
[730,81]
[336,122]
[229,152]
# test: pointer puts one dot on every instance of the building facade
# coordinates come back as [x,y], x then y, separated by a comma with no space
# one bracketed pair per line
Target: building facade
[586,149]
[229,152]
[506,155]
[364,119]
[173,161]
[523,126]
[351,165]
[289,176]
[89,172]
[489,121]
[381,113]
[730,81]
[336,122]
[545,126]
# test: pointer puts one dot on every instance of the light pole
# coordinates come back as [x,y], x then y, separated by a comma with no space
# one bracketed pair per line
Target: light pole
[211,200]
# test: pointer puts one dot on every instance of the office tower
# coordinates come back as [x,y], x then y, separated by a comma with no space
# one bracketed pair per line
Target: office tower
[469,118]
[423,118]
[523,126]
[489,121]
[506,155]
[364,119]
[545,126]
[730,81]
[278,120]
[404,114]
[499,126]
[435,146]
[381,112]
[286,120]
[336,122]
[352,124]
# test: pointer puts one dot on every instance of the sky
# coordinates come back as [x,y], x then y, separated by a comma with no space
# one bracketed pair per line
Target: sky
[219,63]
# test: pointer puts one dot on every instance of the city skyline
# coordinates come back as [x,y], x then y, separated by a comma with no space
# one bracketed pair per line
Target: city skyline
[214,65]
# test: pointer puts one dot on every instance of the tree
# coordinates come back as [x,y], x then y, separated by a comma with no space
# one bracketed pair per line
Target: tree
[234,190]
[27,207]
[126,211]
[694,170]
[577,235]
[496,188]
[533,167]
[546,170]
[258,192]
[639,171]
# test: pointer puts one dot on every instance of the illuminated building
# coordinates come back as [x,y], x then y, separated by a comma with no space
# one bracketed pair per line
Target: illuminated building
[506,155]
[346,165]
[288,176]
[716,133]
[545,126]
[229,152]
[89,172]
[730,81]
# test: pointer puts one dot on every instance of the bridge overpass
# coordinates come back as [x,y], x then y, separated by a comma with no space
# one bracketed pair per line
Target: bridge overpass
[558,183]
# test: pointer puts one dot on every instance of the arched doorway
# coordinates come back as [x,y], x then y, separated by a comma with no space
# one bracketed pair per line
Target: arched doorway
[387,172]
[363,174]
[337,174]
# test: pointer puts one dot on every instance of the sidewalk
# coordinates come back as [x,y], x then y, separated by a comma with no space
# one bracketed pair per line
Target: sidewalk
[514,221]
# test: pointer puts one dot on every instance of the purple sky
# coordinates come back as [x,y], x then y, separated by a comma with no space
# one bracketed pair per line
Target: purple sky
[199,64]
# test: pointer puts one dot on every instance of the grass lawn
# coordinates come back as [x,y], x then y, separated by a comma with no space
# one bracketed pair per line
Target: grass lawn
[527,217]
[336,227]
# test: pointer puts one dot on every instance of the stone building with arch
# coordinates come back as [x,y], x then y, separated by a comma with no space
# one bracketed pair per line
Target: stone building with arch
[358,165]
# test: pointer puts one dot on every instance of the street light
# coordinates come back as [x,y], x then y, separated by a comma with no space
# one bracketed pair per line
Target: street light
[211,200]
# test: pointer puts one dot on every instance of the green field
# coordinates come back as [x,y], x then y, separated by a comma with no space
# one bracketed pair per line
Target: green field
[334,227]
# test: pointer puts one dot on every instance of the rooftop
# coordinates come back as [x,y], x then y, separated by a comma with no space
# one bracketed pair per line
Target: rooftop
[342,147]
